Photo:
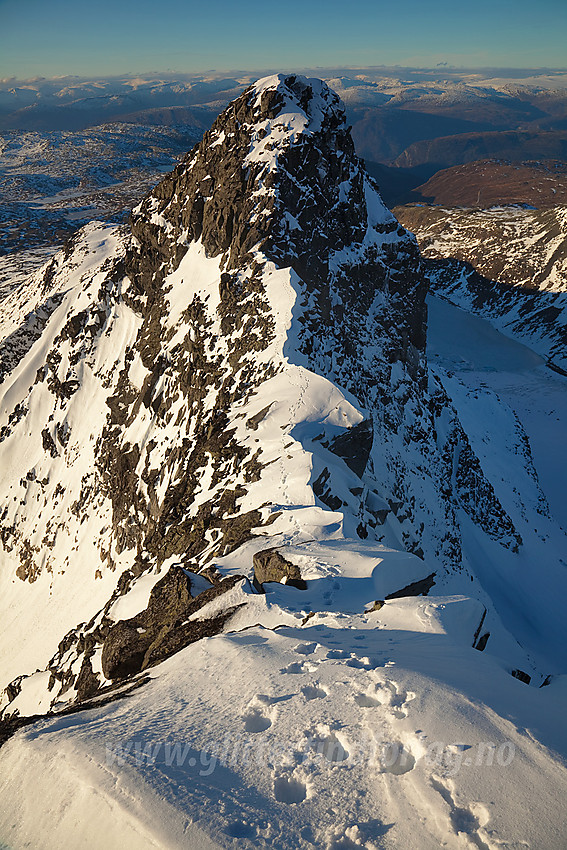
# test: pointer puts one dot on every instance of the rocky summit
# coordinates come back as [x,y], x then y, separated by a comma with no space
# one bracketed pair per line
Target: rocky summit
[219,418]
[248,351]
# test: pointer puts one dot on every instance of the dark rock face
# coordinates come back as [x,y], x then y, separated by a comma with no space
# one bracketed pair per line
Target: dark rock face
[211,192]
[17,345]
[324,492]
[416,588]
[482,641]
[477,497]
[523,677]
[355,445]
[124,650]
[481,636]
[171,595]
[310,207]
[270,565]
[162,628]
[87,682]
[471,490]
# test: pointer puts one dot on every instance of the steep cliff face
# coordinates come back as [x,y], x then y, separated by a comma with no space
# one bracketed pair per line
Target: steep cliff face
[241,369]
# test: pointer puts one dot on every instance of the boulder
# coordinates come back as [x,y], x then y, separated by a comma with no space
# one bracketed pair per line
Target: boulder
[270,565]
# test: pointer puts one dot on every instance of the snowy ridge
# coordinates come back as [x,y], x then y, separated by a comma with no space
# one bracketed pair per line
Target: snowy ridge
[229,476]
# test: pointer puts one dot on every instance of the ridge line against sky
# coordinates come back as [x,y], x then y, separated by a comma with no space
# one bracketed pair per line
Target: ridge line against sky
[442,71]
[64,37]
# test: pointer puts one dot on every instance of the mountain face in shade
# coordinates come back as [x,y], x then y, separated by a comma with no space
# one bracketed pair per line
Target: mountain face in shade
[241,369]
[506,263]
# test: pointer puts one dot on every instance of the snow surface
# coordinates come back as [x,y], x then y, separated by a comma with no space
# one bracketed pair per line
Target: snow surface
[348,731]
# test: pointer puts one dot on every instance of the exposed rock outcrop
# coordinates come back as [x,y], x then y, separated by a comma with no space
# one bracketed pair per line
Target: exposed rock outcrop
[355,446]
[270,565]
[163,627]
[416,588]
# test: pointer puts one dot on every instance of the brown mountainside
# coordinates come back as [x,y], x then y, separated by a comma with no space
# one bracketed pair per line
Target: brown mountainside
[491,182]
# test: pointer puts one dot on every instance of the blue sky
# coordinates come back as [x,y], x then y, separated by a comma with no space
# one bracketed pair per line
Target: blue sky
[104,37]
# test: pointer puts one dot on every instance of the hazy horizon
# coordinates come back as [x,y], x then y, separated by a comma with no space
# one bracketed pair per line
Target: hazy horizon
[432,73]
[64,38]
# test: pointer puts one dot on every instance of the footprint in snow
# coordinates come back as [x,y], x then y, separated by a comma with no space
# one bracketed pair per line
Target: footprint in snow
[241,829]
[352,660]
[257,718]
[329,746]
[366,701]
[306,648]
[466,819]
[337,653]
[313,692]
[298,667]
[395,697]
[396,759]
[289,789]
[255,721]
[359,663]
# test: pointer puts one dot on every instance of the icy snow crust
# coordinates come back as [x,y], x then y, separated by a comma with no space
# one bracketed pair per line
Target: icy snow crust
[318,717]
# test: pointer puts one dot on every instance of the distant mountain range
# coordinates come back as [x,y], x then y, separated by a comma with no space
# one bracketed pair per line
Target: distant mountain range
[396,114]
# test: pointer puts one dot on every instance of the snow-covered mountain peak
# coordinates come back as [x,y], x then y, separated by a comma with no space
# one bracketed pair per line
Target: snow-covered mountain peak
[307,103]
[277,172]
[241,373]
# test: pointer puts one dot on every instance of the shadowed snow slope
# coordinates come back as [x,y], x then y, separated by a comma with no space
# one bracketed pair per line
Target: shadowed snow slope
[506,264]
[237,378]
